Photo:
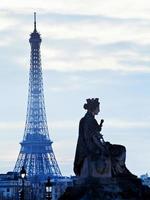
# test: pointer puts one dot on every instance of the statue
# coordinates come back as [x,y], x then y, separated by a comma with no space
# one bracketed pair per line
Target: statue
[94,157]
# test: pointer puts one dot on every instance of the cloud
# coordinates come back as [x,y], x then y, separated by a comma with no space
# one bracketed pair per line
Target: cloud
[6,22]
[125,9]
[104,45]
[63,124]
[78,43]
[11,126]
[117,123]
[97,30]
[101,62]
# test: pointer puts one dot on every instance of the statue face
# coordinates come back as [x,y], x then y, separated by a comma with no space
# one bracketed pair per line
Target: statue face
[96,111]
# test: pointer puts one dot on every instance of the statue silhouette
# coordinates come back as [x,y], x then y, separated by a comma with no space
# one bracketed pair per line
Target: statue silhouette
[94,157]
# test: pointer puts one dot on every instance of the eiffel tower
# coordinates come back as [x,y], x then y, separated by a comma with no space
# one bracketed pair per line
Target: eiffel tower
[36,153]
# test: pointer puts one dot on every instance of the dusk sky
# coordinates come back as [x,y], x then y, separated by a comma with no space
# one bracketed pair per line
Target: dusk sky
[90,48]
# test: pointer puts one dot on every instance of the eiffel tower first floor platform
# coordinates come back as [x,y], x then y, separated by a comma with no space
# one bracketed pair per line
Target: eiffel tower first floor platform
[38,159]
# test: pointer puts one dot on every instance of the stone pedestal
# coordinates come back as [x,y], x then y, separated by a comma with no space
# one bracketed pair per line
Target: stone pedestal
[107,189]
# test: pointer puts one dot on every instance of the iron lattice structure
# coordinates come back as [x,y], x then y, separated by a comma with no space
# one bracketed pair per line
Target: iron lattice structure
[36,153]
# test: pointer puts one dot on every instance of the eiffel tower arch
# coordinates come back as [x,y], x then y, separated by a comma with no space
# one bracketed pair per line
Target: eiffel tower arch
[36,153]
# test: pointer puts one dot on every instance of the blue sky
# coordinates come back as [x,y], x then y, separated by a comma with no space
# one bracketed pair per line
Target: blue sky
[89,49]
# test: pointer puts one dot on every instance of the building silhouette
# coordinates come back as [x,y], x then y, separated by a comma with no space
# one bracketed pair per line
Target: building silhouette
[36,153]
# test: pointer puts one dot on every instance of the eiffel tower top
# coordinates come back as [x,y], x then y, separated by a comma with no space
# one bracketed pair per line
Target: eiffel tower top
[35,36]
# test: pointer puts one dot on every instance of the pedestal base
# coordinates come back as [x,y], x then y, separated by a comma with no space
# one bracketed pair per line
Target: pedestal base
[107,189]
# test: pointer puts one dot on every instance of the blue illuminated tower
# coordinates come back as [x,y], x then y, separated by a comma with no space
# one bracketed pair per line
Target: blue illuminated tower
[36,153]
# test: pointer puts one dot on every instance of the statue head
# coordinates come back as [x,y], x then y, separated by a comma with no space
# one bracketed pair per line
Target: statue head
[92,106]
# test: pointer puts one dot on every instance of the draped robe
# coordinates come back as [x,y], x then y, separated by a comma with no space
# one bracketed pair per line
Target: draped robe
[94,158]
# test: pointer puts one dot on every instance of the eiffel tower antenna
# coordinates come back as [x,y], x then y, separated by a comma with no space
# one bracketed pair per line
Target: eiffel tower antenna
[35,21]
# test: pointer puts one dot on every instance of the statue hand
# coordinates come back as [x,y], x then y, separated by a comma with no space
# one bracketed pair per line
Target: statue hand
[100,136]
[101,124]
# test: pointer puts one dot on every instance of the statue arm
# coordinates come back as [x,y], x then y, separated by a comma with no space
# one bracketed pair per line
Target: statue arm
[96,139]
[89,130]
[92,136]
[98,126]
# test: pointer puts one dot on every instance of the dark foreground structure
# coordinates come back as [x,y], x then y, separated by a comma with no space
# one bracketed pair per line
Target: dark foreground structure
[107,189]
[100,168]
